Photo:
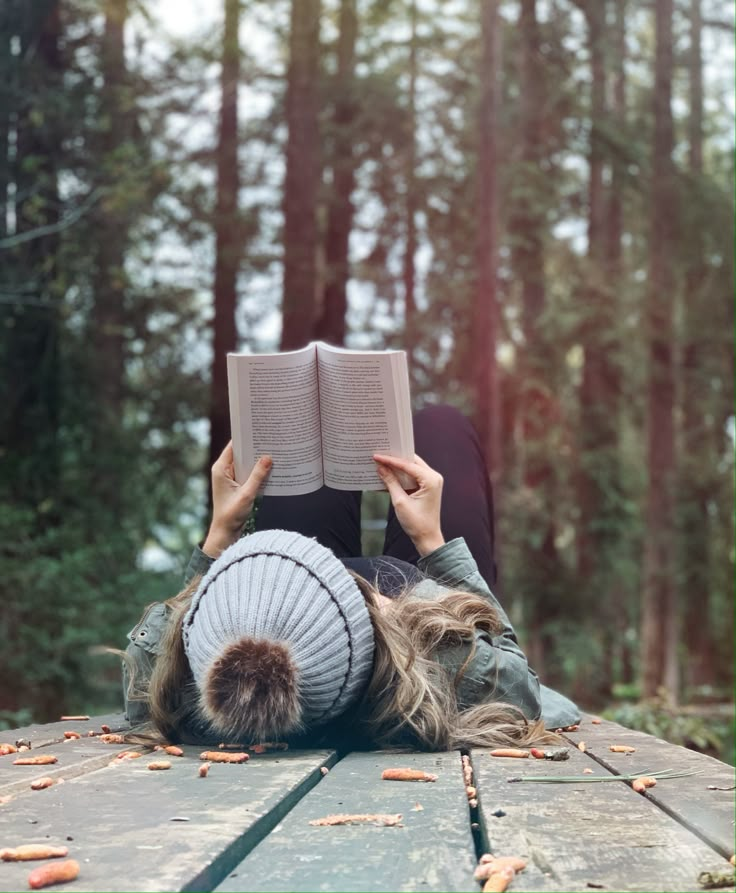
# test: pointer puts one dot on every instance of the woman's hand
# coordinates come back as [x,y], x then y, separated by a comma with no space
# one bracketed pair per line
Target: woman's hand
[231,502]
[419,511]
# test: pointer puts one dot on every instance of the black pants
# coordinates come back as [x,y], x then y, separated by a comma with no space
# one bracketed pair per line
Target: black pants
[448,442]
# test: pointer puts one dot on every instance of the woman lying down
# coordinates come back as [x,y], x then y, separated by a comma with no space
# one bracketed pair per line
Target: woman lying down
[287,634]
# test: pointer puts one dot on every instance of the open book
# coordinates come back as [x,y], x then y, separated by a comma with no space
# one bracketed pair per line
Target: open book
[320,413]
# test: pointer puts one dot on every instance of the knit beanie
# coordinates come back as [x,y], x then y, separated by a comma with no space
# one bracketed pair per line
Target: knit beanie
[278,637]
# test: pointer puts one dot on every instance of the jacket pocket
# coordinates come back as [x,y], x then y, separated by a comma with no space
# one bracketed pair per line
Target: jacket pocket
[146,634]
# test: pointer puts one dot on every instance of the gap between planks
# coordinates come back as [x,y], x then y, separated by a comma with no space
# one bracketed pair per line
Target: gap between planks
[214,874]
[650,794]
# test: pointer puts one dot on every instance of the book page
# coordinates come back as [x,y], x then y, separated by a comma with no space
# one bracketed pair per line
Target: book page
[360,412]
[274,410]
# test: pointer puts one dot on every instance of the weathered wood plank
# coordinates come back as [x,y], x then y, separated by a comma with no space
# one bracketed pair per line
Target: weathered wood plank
[433,850]
[584,836]
[50,733]
[75,758]
[122,824]
[708,813]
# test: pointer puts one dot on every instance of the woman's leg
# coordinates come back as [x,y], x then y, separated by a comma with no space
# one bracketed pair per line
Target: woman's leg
[331,516]
[447,441]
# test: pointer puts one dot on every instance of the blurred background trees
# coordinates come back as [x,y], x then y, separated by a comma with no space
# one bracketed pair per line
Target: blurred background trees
[533,197]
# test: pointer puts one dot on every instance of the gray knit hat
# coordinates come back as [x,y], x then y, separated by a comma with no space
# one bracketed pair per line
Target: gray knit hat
[278,637]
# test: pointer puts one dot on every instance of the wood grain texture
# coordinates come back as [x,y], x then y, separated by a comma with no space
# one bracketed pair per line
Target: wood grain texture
[75,758]
[125,825]
[432,851]
[709,814]
[50,733]
[584,836]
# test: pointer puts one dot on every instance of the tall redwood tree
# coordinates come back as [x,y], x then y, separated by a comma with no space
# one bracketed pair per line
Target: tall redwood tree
[659,620]
[302,177]
[227,243]
[332,320]
[485,304]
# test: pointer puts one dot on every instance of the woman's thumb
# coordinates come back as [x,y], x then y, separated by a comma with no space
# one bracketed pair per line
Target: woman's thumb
[389,478]
[259,473]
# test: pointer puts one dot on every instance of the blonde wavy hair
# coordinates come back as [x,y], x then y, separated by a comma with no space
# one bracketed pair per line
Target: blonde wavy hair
[411,699]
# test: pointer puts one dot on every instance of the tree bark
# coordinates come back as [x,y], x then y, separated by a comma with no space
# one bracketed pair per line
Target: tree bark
[594,412]
[331,325]
[601,525]
[109,281]
[697,458]
[29,386]
[302,177]
[659,625]
[614,274]
[485,310]
[29,353]
[618,165]
[227,241]
[410,249]
[535,401]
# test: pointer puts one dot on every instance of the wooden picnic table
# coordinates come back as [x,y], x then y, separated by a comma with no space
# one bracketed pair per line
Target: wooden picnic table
[246,827]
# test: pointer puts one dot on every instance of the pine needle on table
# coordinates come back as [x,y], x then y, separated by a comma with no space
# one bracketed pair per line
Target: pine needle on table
[661,774]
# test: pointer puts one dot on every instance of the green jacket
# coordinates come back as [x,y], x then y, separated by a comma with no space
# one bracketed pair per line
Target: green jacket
[498,671]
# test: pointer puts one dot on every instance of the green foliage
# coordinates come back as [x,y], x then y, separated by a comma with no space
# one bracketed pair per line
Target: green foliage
[95,469]
[712,734]
[100,469]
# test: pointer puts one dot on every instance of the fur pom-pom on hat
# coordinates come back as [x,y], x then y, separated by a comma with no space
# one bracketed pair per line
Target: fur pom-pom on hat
[278,637]
[253,688]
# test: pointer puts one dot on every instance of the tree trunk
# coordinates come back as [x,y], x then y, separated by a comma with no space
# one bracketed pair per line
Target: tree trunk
[485,310]
[593,411]
[332,322]
[227,241]
[601,526]
[302,177]
[29,353]
[526,228]
[614,274]
[697,458]
[29,412]
[410,249]
[6,102]
[659,606]
[618,164]
[109,281]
